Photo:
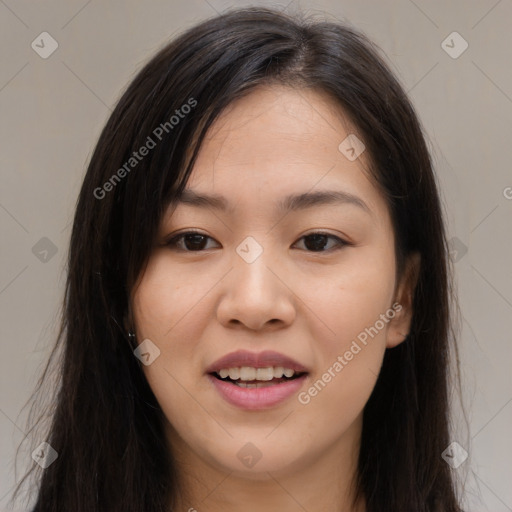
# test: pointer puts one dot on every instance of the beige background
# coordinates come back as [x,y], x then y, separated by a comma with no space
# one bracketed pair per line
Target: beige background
[53,110]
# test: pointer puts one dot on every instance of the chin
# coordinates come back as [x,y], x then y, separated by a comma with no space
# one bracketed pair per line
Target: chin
[254,458]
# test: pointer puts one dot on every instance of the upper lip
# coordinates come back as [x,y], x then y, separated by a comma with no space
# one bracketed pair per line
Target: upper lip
[263,359]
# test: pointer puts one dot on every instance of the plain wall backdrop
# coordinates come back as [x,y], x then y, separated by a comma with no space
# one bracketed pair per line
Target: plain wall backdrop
[53,106]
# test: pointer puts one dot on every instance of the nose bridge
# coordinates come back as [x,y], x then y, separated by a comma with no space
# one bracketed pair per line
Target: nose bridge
[255,294]
[250,250]
[251,265]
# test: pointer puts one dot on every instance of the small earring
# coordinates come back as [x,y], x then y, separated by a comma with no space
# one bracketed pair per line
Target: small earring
[131,335]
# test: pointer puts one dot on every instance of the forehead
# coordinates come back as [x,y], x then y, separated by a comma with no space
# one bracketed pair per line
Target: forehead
[279,142]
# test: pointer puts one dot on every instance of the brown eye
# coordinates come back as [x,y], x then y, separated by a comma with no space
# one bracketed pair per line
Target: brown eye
[191,241]
[316,242]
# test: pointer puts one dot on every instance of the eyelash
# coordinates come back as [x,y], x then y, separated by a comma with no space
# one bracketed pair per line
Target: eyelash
[173,241]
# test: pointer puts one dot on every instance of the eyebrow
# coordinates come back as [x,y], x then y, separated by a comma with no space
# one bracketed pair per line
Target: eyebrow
[290,203]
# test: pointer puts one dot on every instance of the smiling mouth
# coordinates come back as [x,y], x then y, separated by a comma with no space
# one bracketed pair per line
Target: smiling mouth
[250,388]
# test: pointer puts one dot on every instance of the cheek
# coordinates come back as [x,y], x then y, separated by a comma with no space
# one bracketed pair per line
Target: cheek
[354,308]
[351,297]
[169,297]
[170,309]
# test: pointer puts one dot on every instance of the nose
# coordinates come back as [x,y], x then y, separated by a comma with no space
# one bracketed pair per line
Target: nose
[256,294]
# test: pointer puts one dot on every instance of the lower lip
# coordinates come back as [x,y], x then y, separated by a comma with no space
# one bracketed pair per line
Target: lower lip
[257,398]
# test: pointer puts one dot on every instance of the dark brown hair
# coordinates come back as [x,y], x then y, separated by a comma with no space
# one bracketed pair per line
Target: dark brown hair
[106,424]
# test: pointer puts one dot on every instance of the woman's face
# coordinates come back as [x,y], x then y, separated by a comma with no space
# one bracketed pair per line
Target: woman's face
[258,279]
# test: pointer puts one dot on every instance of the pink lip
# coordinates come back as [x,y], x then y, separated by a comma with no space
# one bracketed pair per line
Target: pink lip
[255,360]
[257,398]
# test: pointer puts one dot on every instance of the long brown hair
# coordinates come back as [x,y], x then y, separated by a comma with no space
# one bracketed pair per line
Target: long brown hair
[106,424]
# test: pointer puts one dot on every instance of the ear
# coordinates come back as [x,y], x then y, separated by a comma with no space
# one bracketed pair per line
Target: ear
[400,324]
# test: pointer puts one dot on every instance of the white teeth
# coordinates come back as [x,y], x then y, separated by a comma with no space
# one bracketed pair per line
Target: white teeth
[265,373]
[278,372]
[246,373]
[234,373]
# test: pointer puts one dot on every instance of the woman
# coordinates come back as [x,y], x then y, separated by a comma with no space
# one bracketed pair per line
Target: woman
[257,312]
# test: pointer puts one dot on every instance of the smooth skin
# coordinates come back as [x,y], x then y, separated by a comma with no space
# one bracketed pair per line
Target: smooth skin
[199,300]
